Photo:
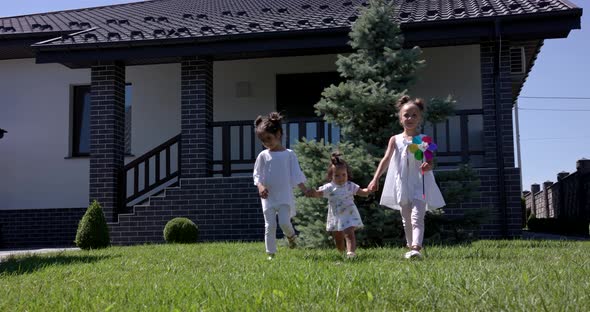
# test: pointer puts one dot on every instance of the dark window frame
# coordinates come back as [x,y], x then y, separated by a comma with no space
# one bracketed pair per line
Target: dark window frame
[79,107]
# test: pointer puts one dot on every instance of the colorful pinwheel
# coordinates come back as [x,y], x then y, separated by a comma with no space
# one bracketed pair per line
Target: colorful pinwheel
[422,147]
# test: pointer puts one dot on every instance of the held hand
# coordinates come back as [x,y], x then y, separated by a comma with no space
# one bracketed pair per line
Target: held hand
[373,186]
[426,166]
[262,191]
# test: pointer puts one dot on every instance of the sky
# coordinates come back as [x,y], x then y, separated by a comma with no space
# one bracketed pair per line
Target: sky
[553,135]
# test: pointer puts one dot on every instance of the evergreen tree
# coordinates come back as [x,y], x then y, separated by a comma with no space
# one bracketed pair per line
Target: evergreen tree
[377,74]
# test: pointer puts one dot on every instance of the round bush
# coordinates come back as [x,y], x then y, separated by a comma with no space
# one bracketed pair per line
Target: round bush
[181,230]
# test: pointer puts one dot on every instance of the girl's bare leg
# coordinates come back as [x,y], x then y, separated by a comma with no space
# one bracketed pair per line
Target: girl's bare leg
[350,239]
[339,240]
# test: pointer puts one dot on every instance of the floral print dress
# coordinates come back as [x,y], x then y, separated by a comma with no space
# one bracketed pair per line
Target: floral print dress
[342,212]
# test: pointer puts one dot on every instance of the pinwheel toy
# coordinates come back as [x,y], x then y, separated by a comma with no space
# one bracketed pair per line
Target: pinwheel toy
[423,149]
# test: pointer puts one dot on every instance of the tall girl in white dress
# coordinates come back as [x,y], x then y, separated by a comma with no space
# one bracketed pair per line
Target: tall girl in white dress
[409,184]
[276,173]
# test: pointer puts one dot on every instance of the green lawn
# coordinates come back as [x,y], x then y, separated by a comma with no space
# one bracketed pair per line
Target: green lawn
[483,276]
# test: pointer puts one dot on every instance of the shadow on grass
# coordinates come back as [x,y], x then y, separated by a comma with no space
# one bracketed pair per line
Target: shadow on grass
[336,257]
[25,264]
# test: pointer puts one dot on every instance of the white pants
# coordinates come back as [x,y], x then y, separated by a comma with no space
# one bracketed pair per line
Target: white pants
[270,226]
[413,221]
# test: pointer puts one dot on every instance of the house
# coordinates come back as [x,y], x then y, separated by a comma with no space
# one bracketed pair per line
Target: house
[148,107]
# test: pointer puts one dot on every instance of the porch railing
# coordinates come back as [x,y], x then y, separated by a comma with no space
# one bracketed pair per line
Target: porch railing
[459,140]
[235,144]
[150,171]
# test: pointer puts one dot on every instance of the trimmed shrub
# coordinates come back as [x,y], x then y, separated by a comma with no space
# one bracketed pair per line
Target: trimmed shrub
[93,232]
[181,230]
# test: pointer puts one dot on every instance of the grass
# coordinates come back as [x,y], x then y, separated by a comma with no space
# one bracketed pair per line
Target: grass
[483,276]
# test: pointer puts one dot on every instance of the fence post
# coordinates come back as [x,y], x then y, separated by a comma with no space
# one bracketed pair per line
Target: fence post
[548,207]
[535,188]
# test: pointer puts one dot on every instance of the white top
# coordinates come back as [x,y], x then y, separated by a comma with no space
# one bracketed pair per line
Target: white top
[342,212]
[279,172]
[403,183]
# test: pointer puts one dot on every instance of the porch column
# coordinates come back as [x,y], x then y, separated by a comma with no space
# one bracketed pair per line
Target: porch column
[107,134]
[196,117]
[497,100]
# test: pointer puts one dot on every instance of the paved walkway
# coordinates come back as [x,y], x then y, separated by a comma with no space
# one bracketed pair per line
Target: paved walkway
[8,253]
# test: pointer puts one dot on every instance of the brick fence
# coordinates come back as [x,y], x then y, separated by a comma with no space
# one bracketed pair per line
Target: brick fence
[567,198]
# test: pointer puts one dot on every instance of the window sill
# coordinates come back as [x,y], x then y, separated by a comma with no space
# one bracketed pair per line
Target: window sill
[88,156]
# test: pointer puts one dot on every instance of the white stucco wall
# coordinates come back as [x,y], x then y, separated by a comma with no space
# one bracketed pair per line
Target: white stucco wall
[35,108]
[261,74]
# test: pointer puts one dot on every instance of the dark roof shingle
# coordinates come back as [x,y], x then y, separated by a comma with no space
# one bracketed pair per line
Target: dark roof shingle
[166,19]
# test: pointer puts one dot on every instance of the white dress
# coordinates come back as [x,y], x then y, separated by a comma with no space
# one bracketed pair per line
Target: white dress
[342,212]
[280,173]
[403,183]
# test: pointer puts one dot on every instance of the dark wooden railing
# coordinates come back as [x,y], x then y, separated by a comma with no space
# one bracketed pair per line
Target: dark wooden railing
[143,165]
[236,145]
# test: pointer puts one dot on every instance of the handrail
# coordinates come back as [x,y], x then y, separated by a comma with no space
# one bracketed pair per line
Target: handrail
[145,159]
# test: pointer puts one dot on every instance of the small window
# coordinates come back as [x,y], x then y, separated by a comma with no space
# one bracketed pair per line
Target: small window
[81,120]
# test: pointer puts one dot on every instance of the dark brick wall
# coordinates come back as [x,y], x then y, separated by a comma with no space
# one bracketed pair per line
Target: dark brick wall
[29,228]
[224,209]
[498,134]
[107,134]
[196,117]
[487,198]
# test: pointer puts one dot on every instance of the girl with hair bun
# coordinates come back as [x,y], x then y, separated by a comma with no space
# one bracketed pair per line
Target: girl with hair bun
[343,215]
[276,173]
[409,185]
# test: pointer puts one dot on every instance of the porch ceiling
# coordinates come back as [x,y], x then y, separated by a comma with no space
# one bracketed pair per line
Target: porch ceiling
[163,30]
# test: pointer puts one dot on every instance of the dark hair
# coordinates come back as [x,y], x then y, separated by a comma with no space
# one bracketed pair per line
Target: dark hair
[269,124]
[336,162]
[407,100]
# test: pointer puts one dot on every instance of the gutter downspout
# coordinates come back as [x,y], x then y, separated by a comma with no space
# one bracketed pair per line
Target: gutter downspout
[499,138]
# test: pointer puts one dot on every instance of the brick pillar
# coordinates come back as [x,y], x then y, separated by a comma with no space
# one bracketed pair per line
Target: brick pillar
[487,56]
[107,135]
[535,188]
[498,132]
[548,203]
[196,117]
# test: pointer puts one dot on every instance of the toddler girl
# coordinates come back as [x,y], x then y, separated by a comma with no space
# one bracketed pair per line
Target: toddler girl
[343,216]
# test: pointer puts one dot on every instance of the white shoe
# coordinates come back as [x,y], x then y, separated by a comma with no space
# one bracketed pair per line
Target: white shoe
[350,255]
[413,254]
[271,256]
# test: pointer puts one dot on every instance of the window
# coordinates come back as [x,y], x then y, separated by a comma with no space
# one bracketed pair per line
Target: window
[298,93]
[296,96]
[81,120]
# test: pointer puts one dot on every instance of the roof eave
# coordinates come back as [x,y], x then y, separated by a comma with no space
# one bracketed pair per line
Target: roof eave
[436,33]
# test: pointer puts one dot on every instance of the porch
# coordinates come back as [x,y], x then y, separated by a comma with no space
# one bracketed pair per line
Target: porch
[235,148]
